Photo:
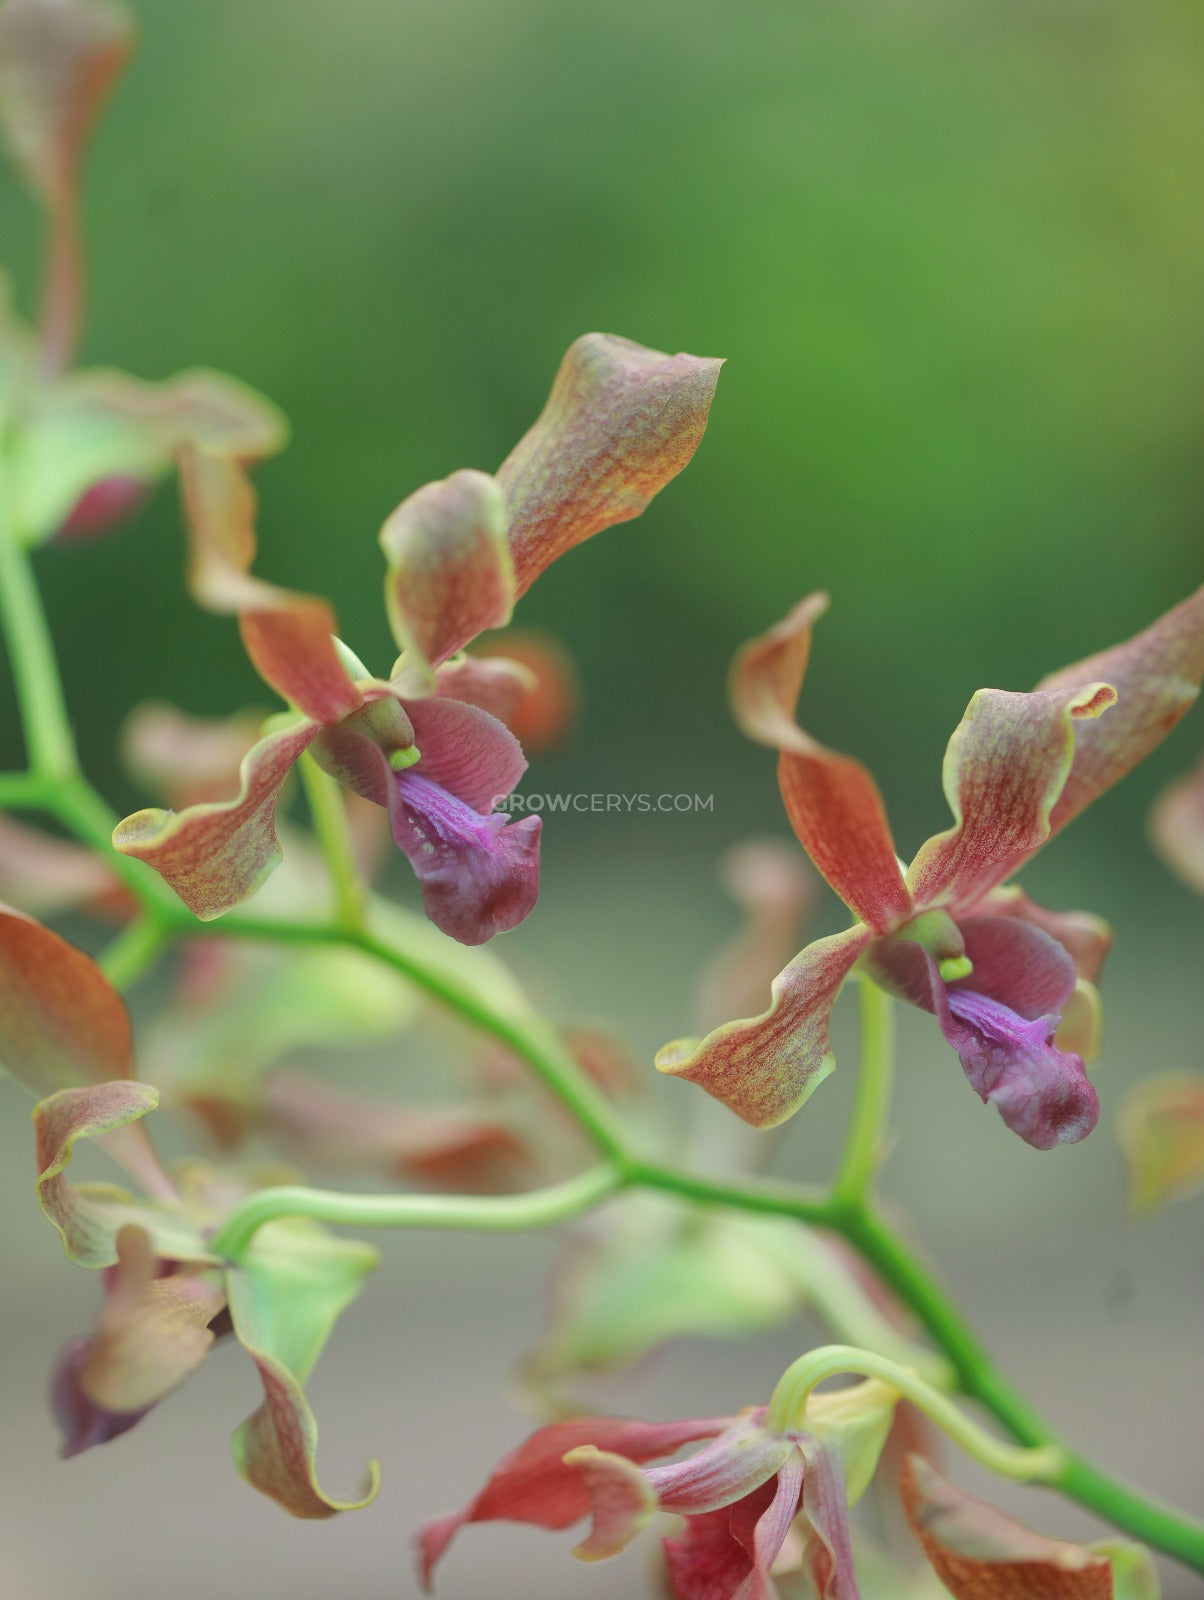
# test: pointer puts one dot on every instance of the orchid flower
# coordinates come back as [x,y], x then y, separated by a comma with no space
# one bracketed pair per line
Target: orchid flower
[740,1494]
[945,933]
[429,744]
[86,447]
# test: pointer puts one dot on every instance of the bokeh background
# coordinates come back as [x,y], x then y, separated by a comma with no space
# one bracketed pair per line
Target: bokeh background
[953,254]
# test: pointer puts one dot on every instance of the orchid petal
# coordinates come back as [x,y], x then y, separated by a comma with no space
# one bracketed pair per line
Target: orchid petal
[493,683]
[712,1557]
[479,873]
[772,1527]
[288,636]
[1042,1093]
[980,1554]
[534,1485]
[1018,964]
[621,1501]
[1006,765]
[1157,676]
[98,440]
[285,1296]
[829,1553]
[743,1457]
[185,760]
[771,884]
[214,856]
[766,1067]
[832,801]
[152,1332]
[88,1217]
[620,422]
[62,1024]
[1086,939]
[58,62]
[1161,1131]
[450,573]
[1177,828]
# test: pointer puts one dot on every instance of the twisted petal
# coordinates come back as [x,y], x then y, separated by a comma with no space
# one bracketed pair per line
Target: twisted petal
[1161,1131]
[288,636]
[832,801]
[285,1297]
[1177,828]
[151,1333]
[216,855]
[98,440]
[979,1554]
[1042,1093]
[1157,677]
[828,1555]
[728,1552]
[535,1485]
[765,1068]
[620,422]
[1006,765]
[450,574]
[58,61]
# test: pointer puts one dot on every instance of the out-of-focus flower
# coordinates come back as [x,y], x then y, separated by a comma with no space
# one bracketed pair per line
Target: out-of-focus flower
[1161,1130]
[86,447]
[996,970]
[1177,827]
[545,710]
[427,744]
[65,1035]
[740,1494]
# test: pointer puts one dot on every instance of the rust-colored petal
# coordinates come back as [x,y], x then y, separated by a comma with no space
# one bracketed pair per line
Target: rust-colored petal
[1087,939]
[288,636]
[832,801]
[1005,767]
[620,422]
[1157,677]
[58,61]
[980,1554]
[214,856]
[185,760]
[766,1067]
[1161,1131]
[450,574]
[492,683]
[1177,827]
[62,1024]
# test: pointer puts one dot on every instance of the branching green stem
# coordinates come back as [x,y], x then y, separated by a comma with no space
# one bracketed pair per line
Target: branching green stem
[133,950]
[505,1214]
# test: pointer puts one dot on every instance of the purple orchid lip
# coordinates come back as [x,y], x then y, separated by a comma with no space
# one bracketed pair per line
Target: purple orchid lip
[479,873]
[1042,1093]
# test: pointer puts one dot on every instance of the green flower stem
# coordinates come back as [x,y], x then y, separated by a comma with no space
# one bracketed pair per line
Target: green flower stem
[328,810]
[505,1214]
[21,791]
[763,1196]
[35,672]
[788,1407]
[133,950]
[871,1109]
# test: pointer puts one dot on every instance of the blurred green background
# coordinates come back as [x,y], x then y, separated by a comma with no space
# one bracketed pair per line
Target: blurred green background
[953,253]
